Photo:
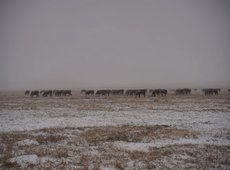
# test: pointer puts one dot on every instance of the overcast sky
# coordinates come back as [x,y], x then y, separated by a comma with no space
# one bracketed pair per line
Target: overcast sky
[119,43]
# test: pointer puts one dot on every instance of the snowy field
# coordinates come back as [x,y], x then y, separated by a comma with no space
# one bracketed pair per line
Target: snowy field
[115,132]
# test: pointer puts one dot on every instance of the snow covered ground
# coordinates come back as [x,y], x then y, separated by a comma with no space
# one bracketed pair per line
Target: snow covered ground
[206,116]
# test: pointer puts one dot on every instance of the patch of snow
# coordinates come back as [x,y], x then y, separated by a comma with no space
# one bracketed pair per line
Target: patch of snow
[108,168]
[25,160]
[144,147]
[20,121]
[130,146]
[27,142]
[47,160]
[211,125]
[130,165]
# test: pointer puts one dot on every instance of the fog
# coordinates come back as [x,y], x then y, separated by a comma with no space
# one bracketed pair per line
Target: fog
[120,43]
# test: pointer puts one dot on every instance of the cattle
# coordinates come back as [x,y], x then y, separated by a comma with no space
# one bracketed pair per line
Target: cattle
[68,92]
[117,92]
[187,91]
[158,92]
[103,92]
[136,92]
[62,93]
[164,92]
[46,93]
[58,92]
[27,93]
[154,93]
[141,92]
[89,92]
[130,92]
[179,91]
[184,91]
[211,91]
[83,91]
[34,93]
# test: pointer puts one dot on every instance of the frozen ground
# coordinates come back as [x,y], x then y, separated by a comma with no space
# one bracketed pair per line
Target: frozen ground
[78,132]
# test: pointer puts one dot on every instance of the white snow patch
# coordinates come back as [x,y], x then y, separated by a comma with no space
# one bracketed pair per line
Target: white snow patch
[48,160]
[25,160]
[31,120]
[130,165]
[27,142]
[211,125]
[144,147]
[108,168]
[130,146]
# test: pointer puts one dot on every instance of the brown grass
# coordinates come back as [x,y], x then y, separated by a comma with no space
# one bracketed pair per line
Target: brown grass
[94,103]
[49,139]
[134,133]
[93,146]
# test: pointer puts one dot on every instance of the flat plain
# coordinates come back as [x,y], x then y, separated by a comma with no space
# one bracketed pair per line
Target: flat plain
[115,132]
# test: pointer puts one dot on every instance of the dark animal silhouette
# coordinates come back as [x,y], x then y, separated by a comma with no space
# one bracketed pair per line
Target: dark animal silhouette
[158,92]
[62,93]
[103,92]
[130,92]
[211,91]
[46,93]
[83,91]
[136,92]
[27,93]
[34,93]
[117,92]
[89,92]
[184,91]
[141,92]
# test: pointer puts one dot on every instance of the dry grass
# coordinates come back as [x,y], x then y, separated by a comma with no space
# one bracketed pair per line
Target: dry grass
[134,133]
[49,139]
[112,103]
[200,156]
[93,147]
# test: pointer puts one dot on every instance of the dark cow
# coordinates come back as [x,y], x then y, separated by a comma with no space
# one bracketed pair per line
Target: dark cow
[83,92]
[211,91]
[205,91]
[141,92]
[164,92]
[103,92]
[34,93]
[184,91]
[27,93]
[117,92]
[154,93]
[130,92]
[68,93]
[136,92]
[89,92]
[158,92]
[62,93]
[187,91]
[46,93]
[58,92]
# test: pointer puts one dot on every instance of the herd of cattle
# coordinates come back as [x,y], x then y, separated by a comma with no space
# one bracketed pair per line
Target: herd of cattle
[129,92]
[46,93]
[143,92]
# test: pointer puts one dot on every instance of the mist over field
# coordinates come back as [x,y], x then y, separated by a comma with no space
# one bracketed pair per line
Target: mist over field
[122,84]
[103,44]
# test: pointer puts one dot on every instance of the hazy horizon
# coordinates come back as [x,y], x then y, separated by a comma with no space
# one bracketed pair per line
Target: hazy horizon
[50,44]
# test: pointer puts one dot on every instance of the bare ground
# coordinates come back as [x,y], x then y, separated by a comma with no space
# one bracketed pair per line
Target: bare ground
[173,132]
